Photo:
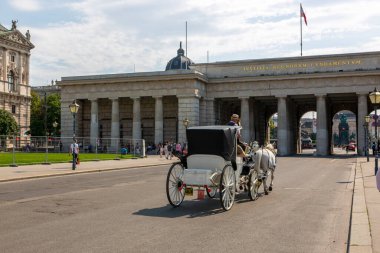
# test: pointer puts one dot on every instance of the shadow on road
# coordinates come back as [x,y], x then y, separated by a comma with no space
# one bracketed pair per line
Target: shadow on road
[193,208]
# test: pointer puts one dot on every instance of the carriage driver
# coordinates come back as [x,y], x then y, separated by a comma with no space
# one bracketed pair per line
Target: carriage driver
[235,121]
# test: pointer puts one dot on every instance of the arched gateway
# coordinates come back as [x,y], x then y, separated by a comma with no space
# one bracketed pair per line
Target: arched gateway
[153,105]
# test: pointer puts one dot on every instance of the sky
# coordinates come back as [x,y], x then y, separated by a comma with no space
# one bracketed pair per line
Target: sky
[91,37]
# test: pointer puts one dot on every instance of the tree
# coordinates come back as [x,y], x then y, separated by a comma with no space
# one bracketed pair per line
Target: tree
[8,125]
[273,129]
[53,114]
[36,116]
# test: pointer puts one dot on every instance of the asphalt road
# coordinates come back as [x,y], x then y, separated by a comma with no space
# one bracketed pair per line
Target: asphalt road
[127,211]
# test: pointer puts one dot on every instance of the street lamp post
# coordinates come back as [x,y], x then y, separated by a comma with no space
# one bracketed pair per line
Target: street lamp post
[74,107]
[186,123]
[367,119]
[375,100]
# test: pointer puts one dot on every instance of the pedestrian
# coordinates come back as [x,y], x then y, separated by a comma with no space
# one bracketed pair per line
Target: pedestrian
[378,180]
[178,148]
[170,150]
[74,151]
[166,152]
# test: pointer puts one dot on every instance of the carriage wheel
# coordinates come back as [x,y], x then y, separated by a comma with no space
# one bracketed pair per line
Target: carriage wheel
[175,189]
[227,187]
[212,193]
[253,186]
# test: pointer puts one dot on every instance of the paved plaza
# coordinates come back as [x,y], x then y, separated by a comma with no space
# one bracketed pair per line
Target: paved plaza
[365,213]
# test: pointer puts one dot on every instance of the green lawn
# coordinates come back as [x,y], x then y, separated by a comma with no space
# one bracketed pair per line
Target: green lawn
[37,158]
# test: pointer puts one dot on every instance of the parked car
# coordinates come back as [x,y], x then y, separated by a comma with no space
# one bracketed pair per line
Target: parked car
[351,146]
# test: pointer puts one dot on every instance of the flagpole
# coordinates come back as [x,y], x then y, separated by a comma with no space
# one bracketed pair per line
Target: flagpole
[301,25]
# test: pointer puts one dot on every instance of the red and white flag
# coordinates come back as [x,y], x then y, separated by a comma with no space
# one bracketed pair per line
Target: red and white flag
[302,13]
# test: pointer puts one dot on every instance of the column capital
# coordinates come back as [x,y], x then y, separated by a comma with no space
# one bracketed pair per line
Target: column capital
[135,98]
[113,98]
[242,98]
[362,93]
[281,96]
[158,97]
[320,94]
[93,99]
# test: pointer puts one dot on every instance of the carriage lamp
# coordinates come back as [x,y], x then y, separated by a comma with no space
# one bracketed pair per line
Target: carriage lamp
[186,122]
[375,100]
[74,107]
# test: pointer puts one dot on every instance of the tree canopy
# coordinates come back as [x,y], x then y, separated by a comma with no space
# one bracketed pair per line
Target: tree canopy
[53,114]
[8,125]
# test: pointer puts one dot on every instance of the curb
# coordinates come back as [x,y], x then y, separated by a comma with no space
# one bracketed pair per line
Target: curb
[70,173]
[359,232]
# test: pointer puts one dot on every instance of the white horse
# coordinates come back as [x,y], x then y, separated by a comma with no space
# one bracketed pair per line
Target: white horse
[265,163]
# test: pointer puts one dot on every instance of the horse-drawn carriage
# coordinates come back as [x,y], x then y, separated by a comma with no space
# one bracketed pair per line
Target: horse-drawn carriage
[212,165]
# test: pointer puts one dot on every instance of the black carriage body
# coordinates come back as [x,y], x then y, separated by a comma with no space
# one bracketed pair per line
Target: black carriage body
[212,140]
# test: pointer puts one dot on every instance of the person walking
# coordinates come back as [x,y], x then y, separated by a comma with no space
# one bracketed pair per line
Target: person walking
[74,151]
[166,152]
[178,148]
[170,150]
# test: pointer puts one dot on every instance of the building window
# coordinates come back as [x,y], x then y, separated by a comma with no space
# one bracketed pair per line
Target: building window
[11,82]
[13,109]
[12,57]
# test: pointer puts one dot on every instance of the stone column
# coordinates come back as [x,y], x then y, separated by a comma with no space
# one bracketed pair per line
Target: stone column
[94,128]
[20,70]
[322,132]
[115,124]
[158,121]
[66,124]
[244,118]
[210,111]
[188,107]
[362,112]
[282,126]
[4,74]
[136,126]
[27,68]
[202,112]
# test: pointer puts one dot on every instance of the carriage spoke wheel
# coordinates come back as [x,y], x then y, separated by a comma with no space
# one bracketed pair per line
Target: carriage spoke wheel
[227,187]
[212,193]
[175,188]
[253,185]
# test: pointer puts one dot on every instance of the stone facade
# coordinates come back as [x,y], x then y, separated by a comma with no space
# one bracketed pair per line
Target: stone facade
[14,75]
[154,105]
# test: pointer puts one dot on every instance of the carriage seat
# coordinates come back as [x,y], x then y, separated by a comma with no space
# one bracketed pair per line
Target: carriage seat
[206,162]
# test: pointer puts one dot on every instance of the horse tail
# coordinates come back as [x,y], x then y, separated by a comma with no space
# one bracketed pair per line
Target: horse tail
[258,156]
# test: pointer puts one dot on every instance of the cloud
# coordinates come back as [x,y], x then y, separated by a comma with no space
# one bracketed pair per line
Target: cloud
[112,36]
[25,5]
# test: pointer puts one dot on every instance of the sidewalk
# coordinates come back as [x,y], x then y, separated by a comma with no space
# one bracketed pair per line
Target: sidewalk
[58,169]
[365,221]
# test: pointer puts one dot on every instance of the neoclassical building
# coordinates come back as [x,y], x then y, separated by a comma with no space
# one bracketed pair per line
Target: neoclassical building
[153,105]
[14,74]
